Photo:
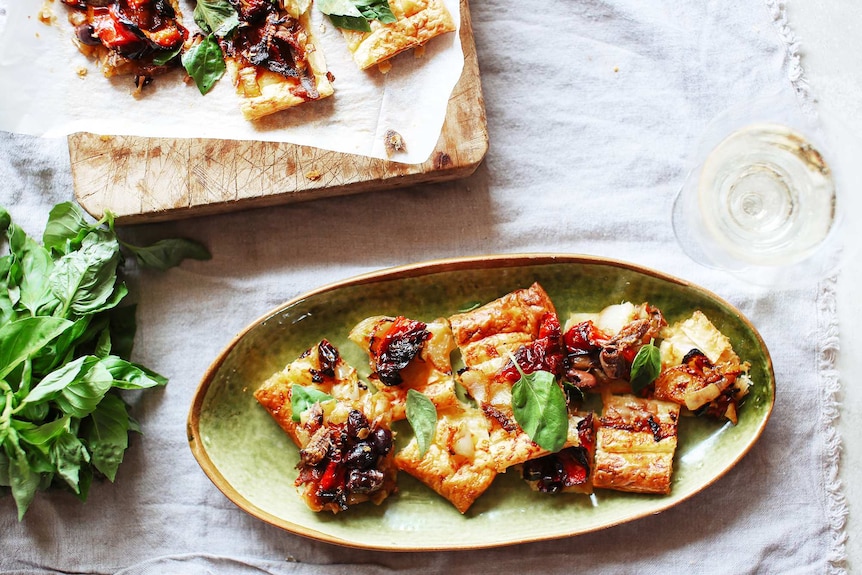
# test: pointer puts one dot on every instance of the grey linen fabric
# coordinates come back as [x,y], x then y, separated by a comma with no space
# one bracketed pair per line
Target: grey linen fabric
[593,109]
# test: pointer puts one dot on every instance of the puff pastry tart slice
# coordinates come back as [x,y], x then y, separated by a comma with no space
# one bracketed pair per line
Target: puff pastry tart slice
[340,426]
[520,326]
[700,369]
[458,465]
[416,22]
[408,354]
[635,444]
[129,37]
[512,324]
[273,57]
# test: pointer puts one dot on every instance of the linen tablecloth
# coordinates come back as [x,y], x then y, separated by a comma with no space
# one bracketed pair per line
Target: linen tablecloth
[594,108]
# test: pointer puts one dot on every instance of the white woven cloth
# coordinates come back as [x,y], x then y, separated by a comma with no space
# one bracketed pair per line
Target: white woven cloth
[593,107]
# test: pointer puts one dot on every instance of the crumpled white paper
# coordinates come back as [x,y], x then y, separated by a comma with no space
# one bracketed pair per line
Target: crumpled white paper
[51,89]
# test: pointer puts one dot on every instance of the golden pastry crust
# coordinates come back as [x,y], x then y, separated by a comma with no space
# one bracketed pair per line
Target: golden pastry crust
[331,376]
[635,444]
[488,334]
[700,368]
[264,92]
[418,21]
[329,431]
[510,445]
[429,371]
[488,337]
[459,464]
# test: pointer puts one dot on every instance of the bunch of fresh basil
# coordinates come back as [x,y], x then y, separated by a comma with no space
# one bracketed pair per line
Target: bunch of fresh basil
[65,344]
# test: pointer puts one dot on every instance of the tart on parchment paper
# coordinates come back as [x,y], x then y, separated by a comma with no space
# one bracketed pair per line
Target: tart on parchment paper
[273,57]
[142,38]
[416,22]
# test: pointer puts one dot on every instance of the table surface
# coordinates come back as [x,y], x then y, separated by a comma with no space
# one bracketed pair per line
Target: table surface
[829,46]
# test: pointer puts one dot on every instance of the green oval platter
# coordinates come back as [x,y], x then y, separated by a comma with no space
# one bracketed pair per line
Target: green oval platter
[252,461]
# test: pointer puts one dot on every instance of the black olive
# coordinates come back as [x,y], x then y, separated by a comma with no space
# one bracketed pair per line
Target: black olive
[87,35]
[532,472]
[364,481]
[327,356]
[357,425]
[362,456]
[381,440]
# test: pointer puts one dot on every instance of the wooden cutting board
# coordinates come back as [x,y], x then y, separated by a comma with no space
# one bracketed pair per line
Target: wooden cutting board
[155,179]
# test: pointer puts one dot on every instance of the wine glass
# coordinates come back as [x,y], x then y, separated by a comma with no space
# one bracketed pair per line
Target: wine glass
[762,199]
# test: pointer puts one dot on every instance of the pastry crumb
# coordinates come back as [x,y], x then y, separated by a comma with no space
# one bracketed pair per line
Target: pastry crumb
[46,14]
[313,175]
[81,72]
[393,142]
[384,66]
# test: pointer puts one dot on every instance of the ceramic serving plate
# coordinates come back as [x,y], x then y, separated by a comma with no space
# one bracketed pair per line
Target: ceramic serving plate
[252,461]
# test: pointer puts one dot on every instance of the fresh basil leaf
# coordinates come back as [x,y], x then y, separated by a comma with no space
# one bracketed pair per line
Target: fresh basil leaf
[68,455]
[23,338]
[422,416]
[128,375]
[358,23]
[539,406]
[103,344]
[646,367]
[123,328]
[35,411]
[376,10]
[7,308]
[339,8]
[39,435]
[5,219]
[4,466]
[216,17]
[22,479]
[204,63]
[164,56]
[83,280]
[301,398]
[107,434]
[62,349]
[357,14]
[82,396]
[36,265]
[165,254]
[344,14]
[67,225]
[53,384]
[464,396]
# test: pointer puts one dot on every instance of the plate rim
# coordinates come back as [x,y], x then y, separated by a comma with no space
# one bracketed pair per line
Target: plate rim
[426,268]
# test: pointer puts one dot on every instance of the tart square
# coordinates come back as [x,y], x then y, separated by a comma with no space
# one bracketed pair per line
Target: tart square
[459,464]
[635,444]
[274,59]
[346,445]
[407,354]
[417,22]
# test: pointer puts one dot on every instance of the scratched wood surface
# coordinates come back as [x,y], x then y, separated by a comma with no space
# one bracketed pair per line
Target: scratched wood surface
[154,179]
